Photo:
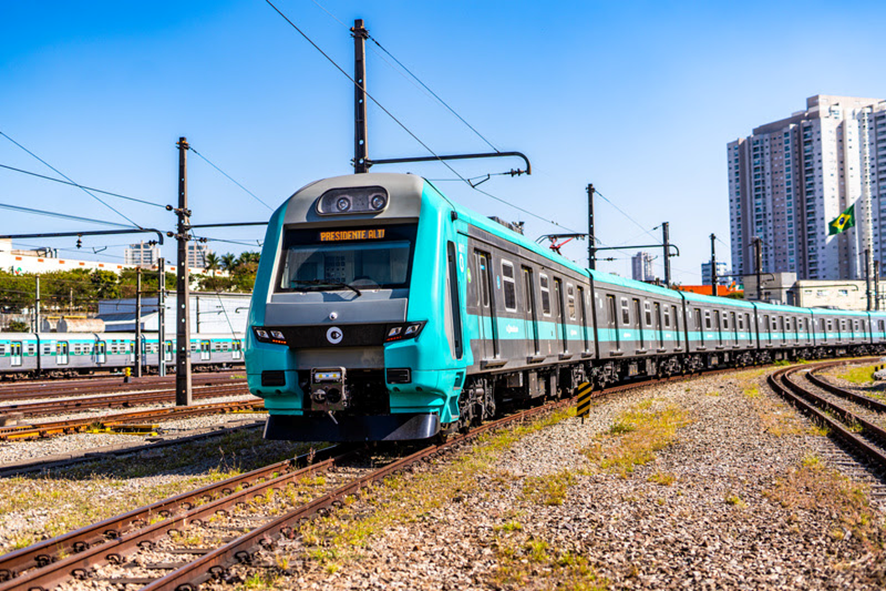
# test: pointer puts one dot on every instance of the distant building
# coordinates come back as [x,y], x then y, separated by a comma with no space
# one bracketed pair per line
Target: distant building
[641,266]
[722,278]
[791,178]
[143,254]
[197,252]
[211,313]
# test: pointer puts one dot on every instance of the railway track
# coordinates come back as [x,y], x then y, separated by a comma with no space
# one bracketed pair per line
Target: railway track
[853,419]
[19,391]
[125,548]
[33,409]
[121,420]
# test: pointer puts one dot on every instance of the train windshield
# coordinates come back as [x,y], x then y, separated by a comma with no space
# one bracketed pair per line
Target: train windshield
[347,258]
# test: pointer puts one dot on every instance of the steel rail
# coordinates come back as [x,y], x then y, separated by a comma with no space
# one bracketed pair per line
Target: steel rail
[48,551]
[77,425]
[811,404]
[9,391]
[115,549]
[859,399]
[117,400]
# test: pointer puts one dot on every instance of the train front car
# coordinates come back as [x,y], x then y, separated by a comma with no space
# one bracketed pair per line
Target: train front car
[352,334]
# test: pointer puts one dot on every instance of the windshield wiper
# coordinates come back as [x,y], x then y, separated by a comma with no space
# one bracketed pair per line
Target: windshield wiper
[327,282]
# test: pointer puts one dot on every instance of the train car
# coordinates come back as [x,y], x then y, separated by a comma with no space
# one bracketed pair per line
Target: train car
[639,329]
[67,354]
[784,332]
[383,311]
[719,331]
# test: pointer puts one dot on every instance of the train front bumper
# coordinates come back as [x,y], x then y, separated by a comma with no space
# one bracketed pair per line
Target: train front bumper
[322,427]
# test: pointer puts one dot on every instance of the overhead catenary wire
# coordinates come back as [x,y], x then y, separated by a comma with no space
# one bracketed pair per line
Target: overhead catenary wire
[72,184]
[227,176]
[622,212]
[405,128]
[64,216]
[99,199]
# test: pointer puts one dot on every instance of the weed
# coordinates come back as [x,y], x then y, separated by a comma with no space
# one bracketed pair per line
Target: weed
[511,525]
[550,489]
[736,501]
[519,565]
[634,439]
[752,392]
[662,478]
[863,374]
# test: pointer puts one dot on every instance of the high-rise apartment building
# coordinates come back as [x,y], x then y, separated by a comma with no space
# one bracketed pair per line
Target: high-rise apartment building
[641,267]
[791,178]
[197,252]
[142,255]
[722,278]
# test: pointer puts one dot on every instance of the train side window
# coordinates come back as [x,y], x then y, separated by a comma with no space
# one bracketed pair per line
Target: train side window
[625,312]
[570,300]
[647,309]
[509,286]
[667,317]
[707,319]
[545,288]
[484,280]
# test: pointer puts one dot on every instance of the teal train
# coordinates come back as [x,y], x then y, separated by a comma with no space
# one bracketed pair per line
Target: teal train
[384,311]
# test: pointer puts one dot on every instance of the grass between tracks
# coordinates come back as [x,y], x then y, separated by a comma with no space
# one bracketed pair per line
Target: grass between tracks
[859,374]
[36,507]
[813,487]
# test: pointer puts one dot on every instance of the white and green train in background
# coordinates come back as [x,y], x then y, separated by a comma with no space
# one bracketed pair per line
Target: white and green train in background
[384,311]
[58,354]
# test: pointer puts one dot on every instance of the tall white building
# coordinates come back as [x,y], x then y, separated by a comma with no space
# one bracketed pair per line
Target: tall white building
[641,267]
[142,254]
[791,178]
[722,279]
[197,252]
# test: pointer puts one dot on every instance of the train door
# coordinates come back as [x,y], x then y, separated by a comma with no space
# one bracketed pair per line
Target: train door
[583,318]
[639,321]
[101,352]
[15,351]
[205,350]
[699,327]
[718,327]
[61,353]
[453,308]
[237,349]
[734,329]
[560,314]
[530,311]
[658,327]
[486,318]
[612,322]
[168,351]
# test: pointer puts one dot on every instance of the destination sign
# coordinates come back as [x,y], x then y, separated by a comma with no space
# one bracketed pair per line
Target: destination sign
[342,235]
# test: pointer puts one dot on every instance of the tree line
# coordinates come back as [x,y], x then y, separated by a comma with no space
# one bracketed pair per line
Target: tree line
[79,290]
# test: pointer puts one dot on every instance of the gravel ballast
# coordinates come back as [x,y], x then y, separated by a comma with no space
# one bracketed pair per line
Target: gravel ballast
[721,507]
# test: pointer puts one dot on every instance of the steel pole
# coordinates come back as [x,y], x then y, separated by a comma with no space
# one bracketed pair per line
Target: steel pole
[867,276]
[138,322]
[360,128]
[161,317]
[667,253]
[592,252]
[183,393]
[713,266]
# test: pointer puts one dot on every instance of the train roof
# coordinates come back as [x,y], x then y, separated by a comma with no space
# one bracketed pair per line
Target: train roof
[600,276]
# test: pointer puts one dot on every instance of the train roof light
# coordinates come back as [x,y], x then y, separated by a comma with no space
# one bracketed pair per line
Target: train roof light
[350,201]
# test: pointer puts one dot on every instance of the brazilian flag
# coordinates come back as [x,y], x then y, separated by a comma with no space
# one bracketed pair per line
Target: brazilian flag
[844,221]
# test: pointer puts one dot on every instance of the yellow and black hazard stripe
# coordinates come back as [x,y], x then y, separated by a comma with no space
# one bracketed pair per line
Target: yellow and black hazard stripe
[584,400]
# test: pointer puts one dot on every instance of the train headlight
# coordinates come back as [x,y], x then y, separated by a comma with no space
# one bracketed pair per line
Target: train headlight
[343,204]
[276,334]
[399,332]
[262,334]
[267,335]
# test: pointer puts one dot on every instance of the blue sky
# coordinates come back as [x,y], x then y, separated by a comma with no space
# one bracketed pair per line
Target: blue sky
[638,98]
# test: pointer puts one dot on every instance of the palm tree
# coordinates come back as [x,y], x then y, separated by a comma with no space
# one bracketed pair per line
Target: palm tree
[229,261]
[212,262]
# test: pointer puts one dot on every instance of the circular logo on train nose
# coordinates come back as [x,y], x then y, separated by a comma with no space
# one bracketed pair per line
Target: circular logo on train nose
[334,335]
